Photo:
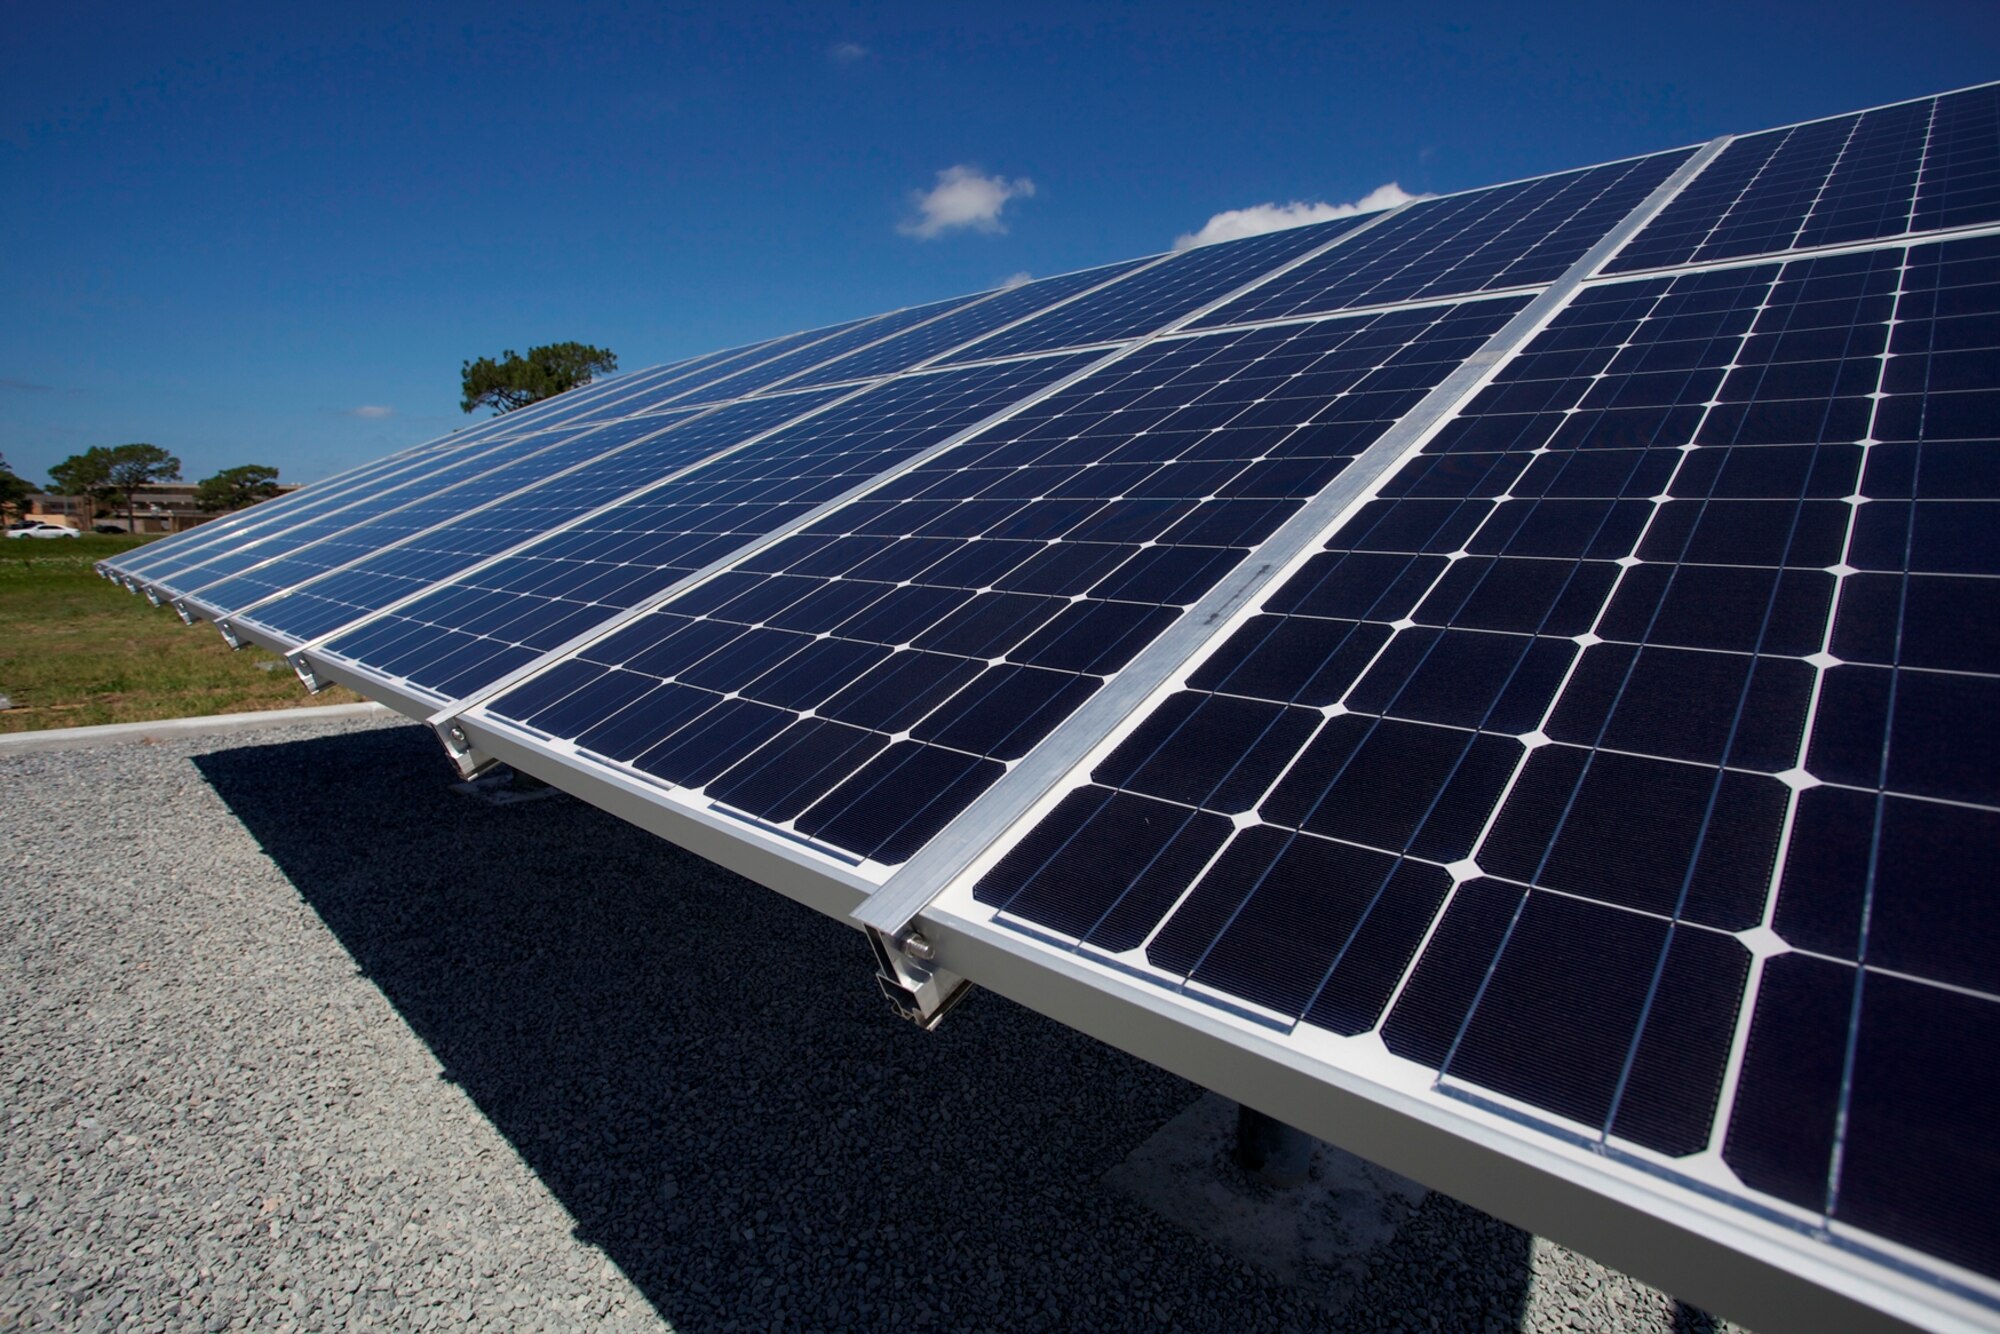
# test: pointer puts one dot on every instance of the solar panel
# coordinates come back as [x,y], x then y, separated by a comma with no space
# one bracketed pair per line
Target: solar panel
[1915,166]
[1155,297]
[386,573]
[1506,682]
[615,396]
[779,371]
[861,682]
[320,516]
[1555,769]
[1509,236]
[358,541]
[471,631]
[698,375]
[352,483]
[209,568]
[918,345]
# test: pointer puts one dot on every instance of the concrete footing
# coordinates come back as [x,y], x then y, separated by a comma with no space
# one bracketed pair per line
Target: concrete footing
[1320,1237]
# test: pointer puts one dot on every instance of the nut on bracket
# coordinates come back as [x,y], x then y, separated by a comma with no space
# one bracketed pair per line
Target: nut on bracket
[906,971]
[469,761]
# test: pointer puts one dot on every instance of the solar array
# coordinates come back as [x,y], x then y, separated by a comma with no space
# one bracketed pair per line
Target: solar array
[1506,683]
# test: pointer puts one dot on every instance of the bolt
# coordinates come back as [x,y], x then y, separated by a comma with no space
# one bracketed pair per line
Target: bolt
[917,947]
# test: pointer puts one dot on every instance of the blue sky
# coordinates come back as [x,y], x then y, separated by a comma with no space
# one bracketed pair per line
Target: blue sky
[270,234]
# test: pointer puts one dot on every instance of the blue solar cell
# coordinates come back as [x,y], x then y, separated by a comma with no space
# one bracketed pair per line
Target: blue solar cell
[174,553]
[360,540]
[781,371]
[1961,177]
[684,379]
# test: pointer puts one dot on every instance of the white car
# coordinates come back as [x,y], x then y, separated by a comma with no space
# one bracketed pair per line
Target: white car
[36,528]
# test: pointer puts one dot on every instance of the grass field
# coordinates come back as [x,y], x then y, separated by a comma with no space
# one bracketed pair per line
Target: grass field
[76,650]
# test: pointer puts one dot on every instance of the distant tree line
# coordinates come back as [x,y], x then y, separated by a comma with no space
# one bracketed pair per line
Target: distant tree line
[109,476]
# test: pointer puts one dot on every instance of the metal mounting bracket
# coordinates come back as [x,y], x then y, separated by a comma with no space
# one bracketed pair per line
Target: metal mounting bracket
[921,992]
[229,635]
[183,611]
[307,678]
[469,761]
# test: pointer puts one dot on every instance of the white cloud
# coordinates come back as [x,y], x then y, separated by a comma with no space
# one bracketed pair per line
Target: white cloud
[848,53]
[1261,218]
[1014,280]
[963,197]
[371,411]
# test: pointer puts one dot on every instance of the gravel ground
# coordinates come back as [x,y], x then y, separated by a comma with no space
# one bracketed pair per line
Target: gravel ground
[293,1037]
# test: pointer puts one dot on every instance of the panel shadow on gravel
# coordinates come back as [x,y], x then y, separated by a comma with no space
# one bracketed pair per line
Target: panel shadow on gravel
[705,1077]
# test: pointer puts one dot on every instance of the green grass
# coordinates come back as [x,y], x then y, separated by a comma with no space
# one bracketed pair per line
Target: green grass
[77,650]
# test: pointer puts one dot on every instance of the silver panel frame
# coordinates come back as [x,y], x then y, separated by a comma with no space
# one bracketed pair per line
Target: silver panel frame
[790,867]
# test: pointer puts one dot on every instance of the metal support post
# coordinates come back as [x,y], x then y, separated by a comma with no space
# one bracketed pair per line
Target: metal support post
[1278,1154]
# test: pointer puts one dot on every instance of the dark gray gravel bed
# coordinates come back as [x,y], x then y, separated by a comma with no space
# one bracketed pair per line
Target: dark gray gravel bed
[293,1037]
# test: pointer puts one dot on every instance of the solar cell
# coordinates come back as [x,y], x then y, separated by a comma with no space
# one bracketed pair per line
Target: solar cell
[1614,762]
[690,378]
[471,631]
[1519,235]
[640,393]
[861,682]
[1961,177]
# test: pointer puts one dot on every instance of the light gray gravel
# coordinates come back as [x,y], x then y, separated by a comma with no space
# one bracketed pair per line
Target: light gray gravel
[292,1037]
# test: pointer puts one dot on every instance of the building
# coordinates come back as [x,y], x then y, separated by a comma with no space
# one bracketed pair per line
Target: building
[162,507]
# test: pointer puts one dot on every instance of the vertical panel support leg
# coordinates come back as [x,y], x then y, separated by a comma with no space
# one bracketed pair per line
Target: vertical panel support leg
[1278,1154]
